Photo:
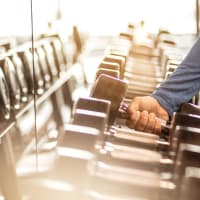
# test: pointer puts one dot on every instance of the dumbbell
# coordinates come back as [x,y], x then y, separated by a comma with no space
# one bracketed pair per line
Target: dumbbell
[12,81]
[189,189]
[105,87]
[110,51]
[118,181]
[159,34]
[94,119]
[50,59]
[4,97]
[111,89]
[111,84]
[166,40]
[126,36]
[27,60]
[145,52]
[21,76]
[75,142]
[74,148]
[116,59]
[147,69]
[109,68]
[183,120]
[38,76]
[58,54]
[110,72]
[92,104]
[83,116]
[90,118]
[122,136]
[184,135]
[190,108]
[43,65]
[99,120]
[187,164]
[109,65]
[73,153]
[71,141]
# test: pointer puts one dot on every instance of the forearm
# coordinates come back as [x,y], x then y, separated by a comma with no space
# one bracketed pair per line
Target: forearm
[183,84]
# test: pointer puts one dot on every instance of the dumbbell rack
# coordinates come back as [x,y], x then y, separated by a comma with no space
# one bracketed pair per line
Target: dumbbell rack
[9,182]
[108,177]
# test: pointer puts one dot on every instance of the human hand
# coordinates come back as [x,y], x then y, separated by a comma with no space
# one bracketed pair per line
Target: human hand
[146,114]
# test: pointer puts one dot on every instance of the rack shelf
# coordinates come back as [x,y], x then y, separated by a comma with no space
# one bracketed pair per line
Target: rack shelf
[7,125]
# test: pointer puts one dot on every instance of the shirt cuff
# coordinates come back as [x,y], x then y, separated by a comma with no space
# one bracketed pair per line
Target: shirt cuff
[163,103]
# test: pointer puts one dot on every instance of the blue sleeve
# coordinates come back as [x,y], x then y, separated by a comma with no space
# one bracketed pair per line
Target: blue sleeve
[183,84]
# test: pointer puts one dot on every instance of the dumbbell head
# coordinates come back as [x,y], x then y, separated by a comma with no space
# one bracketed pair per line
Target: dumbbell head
[188,157]
[110,72]
[189,188]
[111,89]
[43,65]
[190,108]
[50,59]
[184,135]
[127,36]
[183,119]
[58,53]
[89,118]
[78,137]
[116,59]
[38,76]
[115,52]
[109,68]
[93,104]
[109,65]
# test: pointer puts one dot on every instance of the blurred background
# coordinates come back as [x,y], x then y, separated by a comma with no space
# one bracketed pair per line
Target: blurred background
[98,18]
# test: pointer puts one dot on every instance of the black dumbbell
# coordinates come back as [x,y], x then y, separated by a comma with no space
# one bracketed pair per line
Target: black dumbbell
[93,104]
[50,59]
[109,68]
[74,148]
[189,188]
[187,165]
[93,119]
[183,119]
[78,138]
[58,54]
[184,135]
[190,108]
[109,65]
[116,59]
[110,72]
[43,65]
[34,80]
[116,180]
[12,81]
[111,89]
[21,76]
